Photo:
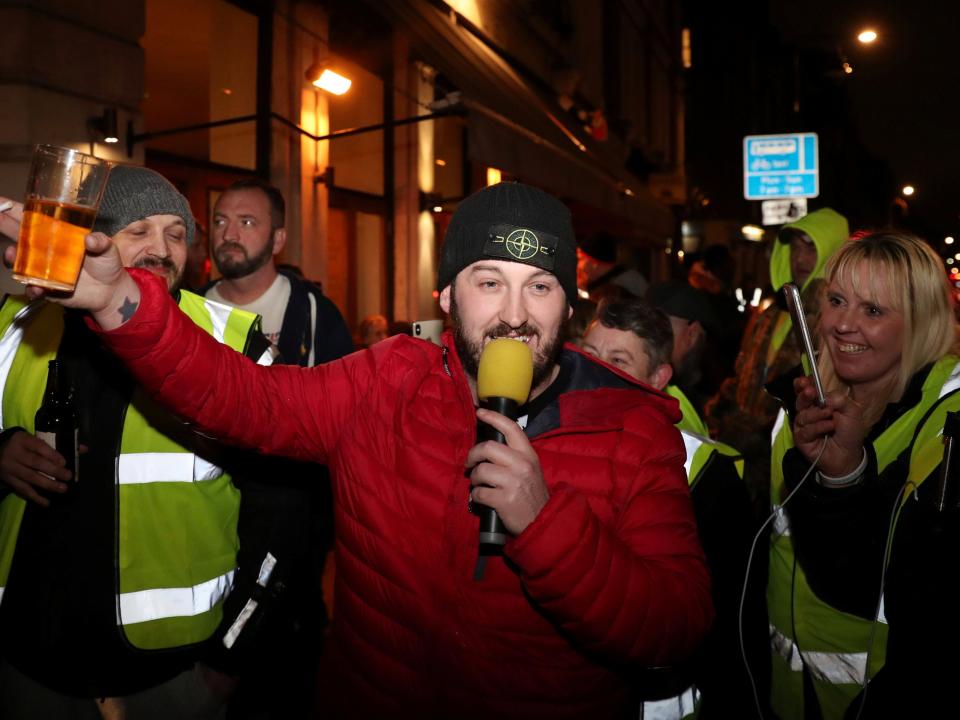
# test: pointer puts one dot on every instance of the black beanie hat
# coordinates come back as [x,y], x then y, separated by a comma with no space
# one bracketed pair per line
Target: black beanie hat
[516,222]
[134,193]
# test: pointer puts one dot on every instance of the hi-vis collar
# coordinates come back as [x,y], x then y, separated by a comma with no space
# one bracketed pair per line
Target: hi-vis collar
[521,244]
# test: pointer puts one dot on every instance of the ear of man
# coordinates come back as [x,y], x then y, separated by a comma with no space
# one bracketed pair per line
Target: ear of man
[279,240]
[660,377]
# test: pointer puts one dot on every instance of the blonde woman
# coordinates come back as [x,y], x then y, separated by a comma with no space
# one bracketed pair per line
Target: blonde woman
[862,563]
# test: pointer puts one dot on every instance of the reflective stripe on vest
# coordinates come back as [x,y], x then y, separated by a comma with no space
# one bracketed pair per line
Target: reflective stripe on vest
[696,440]
[834,644]
[147,605]
[831,667]
[674,708]
[148,467]
[177,512]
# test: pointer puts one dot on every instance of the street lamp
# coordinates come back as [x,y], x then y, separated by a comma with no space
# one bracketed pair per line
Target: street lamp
[908,190]
[867,36]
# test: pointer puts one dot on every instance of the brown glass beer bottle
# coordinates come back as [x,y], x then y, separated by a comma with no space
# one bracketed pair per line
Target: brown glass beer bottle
[57,421]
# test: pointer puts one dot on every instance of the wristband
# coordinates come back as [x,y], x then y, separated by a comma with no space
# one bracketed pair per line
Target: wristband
[850,478]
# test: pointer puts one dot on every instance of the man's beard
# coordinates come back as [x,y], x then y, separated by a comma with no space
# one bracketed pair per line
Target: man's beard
[164,267]
[232,268]
[544,359]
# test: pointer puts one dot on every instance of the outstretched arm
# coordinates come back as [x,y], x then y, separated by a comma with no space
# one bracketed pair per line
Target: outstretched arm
[283,410]
[279,410]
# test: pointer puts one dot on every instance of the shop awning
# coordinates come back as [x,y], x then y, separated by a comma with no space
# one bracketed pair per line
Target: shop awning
[512,126]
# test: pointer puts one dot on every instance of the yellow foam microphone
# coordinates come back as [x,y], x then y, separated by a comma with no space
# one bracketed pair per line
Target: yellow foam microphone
[503,385]
[506,370]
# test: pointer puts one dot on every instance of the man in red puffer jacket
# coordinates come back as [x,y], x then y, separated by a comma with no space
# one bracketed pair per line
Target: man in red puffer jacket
[602,572]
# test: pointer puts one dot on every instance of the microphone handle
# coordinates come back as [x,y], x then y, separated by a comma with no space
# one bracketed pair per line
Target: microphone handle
[492,530]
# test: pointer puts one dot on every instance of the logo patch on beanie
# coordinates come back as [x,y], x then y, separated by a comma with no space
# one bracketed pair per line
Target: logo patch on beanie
[521,245]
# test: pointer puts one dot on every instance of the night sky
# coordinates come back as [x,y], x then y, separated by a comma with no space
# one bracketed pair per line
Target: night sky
[904,91]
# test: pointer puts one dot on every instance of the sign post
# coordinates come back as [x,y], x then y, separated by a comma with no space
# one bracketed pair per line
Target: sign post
[780,166]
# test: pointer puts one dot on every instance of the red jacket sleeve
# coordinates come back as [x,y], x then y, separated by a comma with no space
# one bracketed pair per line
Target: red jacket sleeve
[635,588]
[229,396]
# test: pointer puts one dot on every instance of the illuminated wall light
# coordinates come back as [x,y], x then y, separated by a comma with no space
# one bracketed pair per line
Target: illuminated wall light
[848,68]
[437,208]
[680,254]
[333,82]
[757,293]
[441,162]
[949,261]
[867,36]
[957,256]
[948,240]
[583,294]
[908,190]
[685,52]
[754,233]
[105,126]
[227,91]
[493,176]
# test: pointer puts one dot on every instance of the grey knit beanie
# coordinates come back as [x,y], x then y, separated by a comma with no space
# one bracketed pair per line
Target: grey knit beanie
[134,193]
[516,222]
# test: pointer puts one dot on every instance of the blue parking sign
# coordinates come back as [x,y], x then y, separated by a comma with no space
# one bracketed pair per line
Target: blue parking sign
[780,166]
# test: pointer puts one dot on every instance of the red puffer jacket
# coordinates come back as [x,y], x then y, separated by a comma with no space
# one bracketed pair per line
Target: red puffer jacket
[609,575]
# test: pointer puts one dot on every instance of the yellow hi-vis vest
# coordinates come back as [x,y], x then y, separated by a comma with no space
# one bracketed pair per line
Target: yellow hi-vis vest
[700,448]
[696,439]
[834,645]
[176,512]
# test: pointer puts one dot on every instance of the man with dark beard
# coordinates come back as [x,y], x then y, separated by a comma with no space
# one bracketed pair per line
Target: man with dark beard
[306,329]
[602,571]
[248,232]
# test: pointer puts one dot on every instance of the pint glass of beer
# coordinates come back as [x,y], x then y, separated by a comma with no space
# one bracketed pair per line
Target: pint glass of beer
[63,195]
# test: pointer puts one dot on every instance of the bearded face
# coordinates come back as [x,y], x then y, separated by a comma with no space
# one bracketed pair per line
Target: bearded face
[235,261]
[470,339]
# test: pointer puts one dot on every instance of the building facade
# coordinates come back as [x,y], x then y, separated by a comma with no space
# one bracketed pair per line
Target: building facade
[582,99]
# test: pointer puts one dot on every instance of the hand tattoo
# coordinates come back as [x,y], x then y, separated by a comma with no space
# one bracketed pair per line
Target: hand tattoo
[127,309]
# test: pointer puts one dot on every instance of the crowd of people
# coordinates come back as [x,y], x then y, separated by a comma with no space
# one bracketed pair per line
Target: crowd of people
[678,542]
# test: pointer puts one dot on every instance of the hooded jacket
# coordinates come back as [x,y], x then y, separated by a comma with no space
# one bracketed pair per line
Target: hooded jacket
[742,412]
[607,578]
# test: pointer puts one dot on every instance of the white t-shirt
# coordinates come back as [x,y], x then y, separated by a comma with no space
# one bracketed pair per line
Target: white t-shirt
[270,306]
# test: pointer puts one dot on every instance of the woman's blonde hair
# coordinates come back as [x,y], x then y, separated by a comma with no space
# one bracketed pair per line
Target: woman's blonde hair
[909,277]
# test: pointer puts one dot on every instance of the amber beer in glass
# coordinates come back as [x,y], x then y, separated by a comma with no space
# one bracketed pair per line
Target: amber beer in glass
[63,196]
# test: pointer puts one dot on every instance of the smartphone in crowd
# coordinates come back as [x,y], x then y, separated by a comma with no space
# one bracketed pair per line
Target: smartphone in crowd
[428,330]
[800,326]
